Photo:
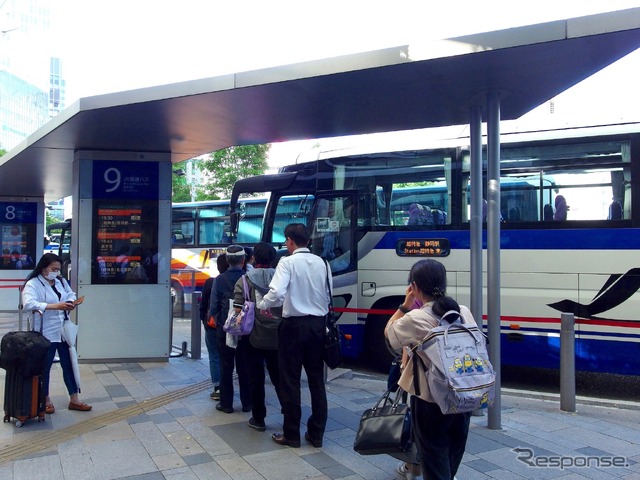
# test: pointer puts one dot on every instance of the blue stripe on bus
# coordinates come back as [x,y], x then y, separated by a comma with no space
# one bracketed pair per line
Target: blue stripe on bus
[579,333]
[569,239]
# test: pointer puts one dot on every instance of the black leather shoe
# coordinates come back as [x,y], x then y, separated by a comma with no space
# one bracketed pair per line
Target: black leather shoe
[220,408]
[280,440]
[256,425]
[315,443]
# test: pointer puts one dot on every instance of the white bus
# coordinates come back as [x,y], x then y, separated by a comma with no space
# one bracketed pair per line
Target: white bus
[570,237]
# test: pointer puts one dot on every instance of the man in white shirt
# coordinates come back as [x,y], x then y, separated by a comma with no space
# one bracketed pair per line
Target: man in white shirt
[302,283]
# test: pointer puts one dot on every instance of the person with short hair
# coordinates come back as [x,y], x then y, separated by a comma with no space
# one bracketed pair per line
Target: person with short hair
[221,293]
[302,283]
[209,331]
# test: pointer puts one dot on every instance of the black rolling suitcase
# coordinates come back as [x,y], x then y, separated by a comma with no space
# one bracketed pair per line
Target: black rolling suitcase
[23,355]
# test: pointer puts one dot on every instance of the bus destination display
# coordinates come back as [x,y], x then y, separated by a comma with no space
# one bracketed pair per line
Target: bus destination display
[427,247]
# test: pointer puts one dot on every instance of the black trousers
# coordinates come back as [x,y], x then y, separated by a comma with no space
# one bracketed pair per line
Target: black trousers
[440,439]
[301,344]
[255,360]
[230,358]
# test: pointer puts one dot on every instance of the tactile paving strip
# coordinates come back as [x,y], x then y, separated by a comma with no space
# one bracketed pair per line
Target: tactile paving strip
[51,438]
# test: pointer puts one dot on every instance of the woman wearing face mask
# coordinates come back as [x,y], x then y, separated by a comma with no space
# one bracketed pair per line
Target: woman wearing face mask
[46,291]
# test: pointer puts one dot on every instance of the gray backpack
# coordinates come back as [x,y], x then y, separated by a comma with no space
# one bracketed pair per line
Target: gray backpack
[460,378]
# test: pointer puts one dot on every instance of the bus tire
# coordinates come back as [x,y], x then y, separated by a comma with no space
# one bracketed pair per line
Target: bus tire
[177,295]
[378,355]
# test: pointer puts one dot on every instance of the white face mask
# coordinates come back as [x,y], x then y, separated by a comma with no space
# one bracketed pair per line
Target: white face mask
[51,275]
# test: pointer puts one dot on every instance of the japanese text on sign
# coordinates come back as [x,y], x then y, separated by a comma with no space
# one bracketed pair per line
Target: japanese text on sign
[428,247]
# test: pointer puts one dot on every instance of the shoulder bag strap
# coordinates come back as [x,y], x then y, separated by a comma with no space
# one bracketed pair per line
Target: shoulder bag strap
[326,264]
[245,288]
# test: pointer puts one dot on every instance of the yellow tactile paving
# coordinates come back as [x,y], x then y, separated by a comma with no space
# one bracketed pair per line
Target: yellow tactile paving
[52,438]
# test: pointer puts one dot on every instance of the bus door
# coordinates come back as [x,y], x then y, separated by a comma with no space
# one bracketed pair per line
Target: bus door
[333,225]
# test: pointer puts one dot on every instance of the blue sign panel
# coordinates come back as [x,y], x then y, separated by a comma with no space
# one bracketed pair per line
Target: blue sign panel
[120,179]
[18,235]
[19,212]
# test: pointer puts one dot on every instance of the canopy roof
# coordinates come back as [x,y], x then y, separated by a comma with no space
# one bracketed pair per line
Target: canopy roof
[407,87]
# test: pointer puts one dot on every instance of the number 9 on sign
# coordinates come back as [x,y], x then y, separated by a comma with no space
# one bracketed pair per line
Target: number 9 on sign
[112,177]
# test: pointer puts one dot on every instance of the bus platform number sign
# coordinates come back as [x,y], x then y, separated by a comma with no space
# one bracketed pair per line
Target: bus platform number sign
[423,247]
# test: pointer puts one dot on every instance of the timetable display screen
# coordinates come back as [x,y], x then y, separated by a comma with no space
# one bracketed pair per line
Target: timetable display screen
[125,242]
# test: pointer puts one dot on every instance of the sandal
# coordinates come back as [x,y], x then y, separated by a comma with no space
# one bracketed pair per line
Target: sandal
[81,407]
[49,408]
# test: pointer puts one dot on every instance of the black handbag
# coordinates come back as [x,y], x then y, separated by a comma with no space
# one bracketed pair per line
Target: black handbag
[332,344]
[332,340]
[385,428]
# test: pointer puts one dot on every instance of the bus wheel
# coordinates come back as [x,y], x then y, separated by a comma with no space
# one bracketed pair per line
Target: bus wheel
[177,297]
[378,354]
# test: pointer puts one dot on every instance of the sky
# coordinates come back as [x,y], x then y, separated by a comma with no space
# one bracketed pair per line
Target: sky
[123,44]
[127,44]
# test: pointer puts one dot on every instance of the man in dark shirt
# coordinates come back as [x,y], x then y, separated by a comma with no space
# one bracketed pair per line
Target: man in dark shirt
[221,292]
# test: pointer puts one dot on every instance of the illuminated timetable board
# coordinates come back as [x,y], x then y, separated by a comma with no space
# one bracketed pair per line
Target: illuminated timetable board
[424,247]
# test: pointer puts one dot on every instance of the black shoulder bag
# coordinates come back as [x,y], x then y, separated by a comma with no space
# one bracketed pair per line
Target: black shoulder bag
[332,343]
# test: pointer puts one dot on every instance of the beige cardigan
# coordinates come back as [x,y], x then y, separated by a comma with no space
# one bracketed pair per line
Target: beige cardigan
[410,330]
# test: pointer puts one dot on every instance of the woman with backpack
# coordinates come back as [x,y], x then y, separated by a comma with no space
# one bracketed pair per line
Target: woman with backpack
[262,348]
[440,439]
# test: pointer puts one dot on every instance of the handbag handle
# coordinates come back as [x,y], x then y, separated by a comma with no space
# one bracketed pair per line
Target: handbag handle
[386,398]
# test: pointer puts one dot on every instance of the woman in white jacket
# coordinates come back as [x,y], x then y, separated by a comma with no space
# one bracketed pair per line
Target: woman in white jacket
[48,293]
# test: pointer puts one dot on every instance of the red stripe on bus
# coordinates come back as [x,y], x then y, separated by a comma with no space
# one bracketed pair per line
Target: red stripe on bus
[604,322]
[509,319]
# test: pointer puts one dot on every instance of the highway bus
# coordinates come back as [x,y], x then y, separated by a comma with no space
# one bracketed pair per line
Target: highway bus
[570,237]
[200,232]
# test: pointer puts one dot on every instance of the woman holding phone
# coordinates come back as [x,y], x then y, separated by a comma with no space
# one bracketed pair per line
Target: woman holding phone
[47,292]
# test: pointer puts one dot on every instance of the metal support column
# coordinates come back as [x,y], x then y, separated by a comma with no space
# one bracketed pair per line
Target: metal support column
[196,326]
[493,249]
[476,212]
[567,362]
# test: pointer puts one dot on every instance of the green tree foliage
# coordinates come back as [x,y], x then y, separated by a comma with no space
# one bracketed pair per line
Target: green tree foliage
[179,189]
[228,165]
[218,172]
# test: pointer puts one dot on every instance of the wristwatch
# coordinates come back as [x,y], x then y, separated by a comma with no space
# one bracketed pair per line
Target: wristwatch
[403,309]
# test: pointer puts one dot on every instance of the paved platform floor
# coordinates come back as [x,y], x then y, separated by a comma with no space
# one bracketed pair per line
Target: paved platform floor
[153,421]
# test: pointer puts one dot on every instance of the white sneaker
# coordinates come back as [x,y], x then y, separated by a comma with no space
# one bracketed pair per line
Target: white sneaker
[404,472]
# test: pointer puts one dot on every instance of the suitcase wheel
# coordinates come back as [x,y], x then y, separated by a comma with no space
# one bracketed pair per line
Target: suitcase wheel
[19,423]
[7,418]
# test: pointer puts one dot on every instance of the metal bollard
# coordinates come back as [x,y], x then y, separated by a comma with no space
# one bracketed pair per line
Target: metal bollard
[567,363]
[196,327]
